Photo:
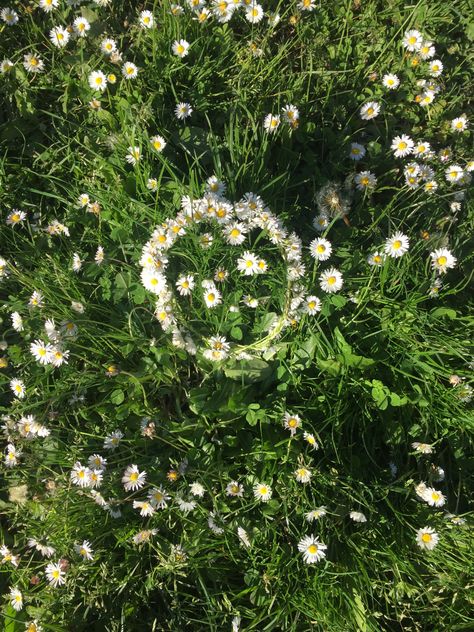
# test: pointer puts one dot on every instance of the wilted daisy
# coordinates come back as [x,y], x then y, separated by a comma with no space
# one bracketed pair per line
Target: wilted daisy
[183,110]
[436,68]
[55,574]
[365,180]
[427,538]
[357,516]
[331,280]
[133,479]
[99,256]
[303,475]
[97,80]
[16,217]
[146,20]
[391,81]
[454,173]
[59,36]
[291,422]
[412,40]
[313,550]
[81,26]
[180,48]
[369,110]
[402,146]
[158,143]
[316,514]
[18,388]
[320,249]
[234,489]
[16,599]
[271,122]
[262,492]
[459,124]
[129,70]
[356,151]
[397,245]
[146,508]
[84,550]
[158,497]
[442,259]
[422,448]
[134,155]
[17,321]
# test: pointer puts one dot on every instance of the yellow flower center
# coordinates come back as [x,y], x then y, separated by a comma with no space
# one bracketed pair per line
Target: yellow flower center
[312,304]
[321,248]
[292,422]
[211,297]
[355,151]
[55,574]
[402,145]
[312,548]
[426,537]
[180,49]
[235,232]
[263,490]
[15,217]
[98,81]
[331,280]
[370,111]
[442,260]
[412,40]
[459,124]
[397,244]
[18,388]
[134,476]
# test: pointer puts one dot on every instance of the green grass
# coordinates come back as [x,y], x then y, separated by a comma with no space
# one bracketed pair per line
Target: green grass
[369,375]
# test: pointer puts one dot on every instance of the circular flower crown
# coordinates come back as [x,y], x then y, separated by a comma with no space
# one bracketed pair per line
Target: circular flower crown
[212,305]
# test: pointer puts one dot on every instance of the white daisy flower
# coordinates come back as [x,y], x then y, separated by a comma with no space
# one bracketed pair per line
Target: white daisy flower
[271,122]
[248,264]
[320,249]
[81,26]
[185,284]
[412,40]
[291,422]
[357,151]
[369,110]
[180,48]
[80,475]
[235,233]
[254,13]
[436,68]
[108,46]
[134,155]
[129,70]
[41,351]
[146,20]
[18,388]
[262,492]
[146,508]
[158,143]
[316,514]
[9,16]
[183,110]
[397,245]
[313,550]
[402,146]
[454,173]
[16,599]
[59,36]
[212,297]
[357,516]
[234,489]
[442,259]
[55,574]
[391,81]
[158,497]
[459,124]
[331,280]
[97,80]
[427,50]
[365,180]
[33,63]
[312,305]
[375,259]
[133,479]
[84,550]
[303,475]
[427,538]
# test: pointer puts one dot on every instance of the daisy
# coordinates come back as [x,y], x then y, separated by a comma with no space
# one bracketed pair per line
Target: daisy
[146,508]
[402,146]
[306,5]
[310,440]
[97,80]
[316,514]
[185,506]
[133,479]
[391,81]
[313,550]
[219,343]
[454,173]
[427,538]
[133,156]
[442,259]
[459,124]
[108,46]
[55,574]
[321,222]
[59,36]
[357,151]
[215,186]
[152,184]
[320,249]
[427,50]
[99,256]
[312,305]
[422,149]
[436,68]
[18,388]
[16,599]
[6,65]
[15,217]
[158,143]
[365,180]
[185,284]
[427,98]
[375,259]
[42,352]
[84,550]
[234,489]
[153,280]
[48,5]
[197,489]
[183,110]
[357,516]
[12,455]
[33,63]
[235,233]
[291,422]
[271,122]
[397,245]
[129,70]
[248,264]
[331,280]
[80,475]
[212,297]
[146,20]
[158,497]
[290,114]
[412,40]
[36,299]
[180,48]
[262,492]
[303,475]
[433,497]
[17,321]
[81,26]
[369,110]
[422,448]
[9,16]
[254,13]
